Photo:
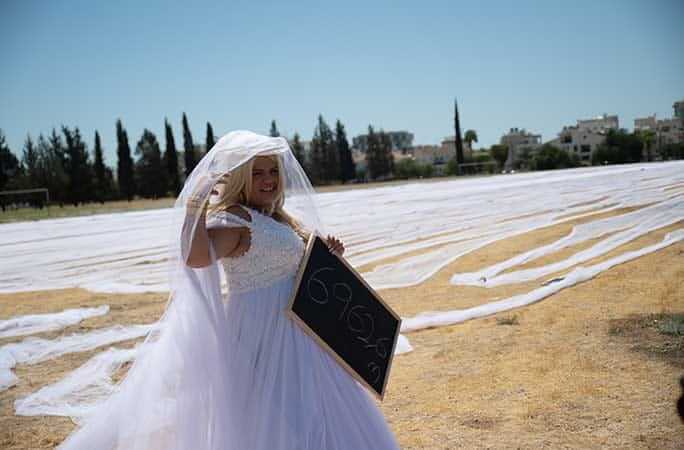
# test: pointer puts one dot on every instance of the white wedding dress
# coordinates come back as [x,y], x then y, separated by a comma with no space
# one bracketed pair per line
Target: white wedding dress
[285,391]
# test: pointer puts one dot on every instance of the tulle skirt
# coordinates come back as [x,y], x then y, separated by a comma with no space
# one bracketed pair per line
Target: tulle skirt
[235,375]
[287,392]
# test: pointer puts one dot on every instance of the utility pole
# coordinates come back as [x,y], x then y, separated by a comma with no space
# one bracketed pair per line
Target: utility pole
[459,141]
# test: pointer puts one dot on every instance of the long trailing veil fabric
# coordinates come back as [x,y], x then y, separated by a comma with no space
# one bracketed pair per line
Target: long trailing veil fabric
[175,394]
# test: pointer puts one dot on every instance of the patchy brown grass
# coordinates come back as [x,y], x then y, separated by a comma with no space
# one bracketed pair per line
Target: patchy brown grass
[658,335]
[586,368]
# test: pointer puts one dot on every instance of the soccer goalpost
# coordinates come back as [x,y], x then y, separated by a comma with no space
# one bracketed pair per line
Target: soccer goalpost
[478,167]
[37,198]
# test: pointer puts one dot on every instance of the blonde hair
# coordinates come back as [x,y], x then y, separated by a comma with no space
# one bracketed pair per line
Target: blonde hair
[237,188]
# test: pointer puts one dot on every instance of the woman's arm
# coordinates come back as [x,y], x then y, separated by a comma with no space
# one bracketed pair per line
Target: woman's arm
[198,256]
[225,241]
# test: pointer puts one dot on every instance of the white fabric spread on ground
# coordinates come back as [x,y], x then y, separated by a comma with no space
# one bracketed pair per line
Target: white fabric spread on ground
[35,350]
[421,227]
[403,345]
[38,323]
[380,223]
[631,225]
[90,381]
[577,275]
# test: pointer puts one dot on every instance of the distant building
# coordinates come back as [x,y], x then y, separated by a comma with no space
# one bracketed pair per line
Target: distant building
[667,131]
[401,141]
[679,109]
[585,137]
[438,156]
[432,154]
[670,131]
[600,124]
[516,140]
[646,123]
[449,145]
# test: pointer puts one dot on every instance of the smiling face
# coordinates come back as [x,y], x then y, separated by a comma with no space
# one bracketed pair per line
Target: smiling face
[265,180]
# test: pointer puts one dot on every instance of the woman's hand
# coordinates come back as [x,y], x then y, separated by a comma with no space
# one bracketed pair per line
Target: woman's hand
[200,195]
[335,246]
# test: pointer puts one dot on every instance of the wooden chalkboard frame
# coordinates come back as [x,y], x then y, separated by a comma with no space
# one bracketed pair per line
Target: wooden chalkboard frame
[305,327]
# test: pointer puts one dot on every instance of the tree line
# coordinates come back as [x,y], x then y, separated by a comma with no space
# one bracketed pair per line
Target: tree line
[62,163]
[329,158]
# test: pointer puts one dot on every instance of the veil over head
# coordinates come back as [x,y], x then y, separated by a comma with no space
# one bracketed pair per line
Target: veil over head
[175,394]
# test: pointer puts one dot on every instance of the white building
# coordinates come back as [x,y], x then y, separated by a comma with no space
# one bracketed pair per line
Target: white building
[432,154]
[517,139]
[670,131]
[585,137]
[600,124]
[679,109]
[667,131]
[646,123]
[438,156]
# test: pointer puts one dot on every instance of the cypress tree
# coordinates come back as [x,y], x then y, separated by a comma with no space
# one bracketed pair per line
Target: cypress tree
[373,162]
[102,186]
[386,156]
[124,170]
[211,140]
[379,155]
[298,150]
[274,129]
[78,167]
[55,167]
[45,173]
[330,160]
[188,148]
[347,166]
[150,173]
[171,160]
[9,164]
[316,159]
[42,162]
[57,147]
[30,162]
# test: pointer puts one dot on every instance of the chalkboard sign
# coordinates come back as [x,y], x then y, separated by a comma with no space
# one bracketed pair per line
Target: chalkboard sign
[335,306]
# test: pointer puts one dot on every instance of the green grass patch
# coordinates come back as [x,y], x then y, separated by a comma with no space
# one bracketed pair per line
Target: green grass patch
[507,320]
[672,325]
[89,209]
[656,335]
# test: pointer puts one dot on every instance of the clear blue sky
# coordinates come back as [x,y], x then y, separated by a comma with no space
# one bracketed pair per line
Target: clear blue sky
[396,64]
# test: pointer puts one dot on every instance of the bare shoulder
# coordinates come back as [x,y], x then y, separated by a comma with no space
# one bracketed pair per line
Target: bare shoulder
[232,241]
[239,211]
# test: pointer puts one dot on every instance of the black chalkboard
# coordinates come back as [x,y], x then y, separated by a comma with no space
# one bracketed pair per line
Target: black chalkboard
[334,305]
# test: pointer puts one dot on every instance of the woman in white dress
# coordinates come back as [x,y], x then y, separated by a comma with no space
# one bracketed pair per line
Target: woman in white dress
[233,371]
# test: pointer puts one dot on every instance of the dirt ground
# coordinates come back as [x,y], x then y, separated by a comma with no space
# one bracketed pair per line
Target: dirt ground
[586,368]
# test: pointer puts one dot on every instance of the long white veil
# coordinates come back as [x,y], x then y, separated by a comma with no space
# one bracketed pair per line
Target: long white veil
[174,396]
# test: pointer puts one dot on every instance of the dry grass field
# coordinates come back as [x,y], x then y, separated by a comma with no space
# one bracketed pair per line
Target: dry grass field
[587,368]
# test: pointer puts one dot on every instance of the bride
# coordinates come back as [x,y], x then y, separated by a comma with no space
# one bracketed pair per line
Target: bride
[232,371]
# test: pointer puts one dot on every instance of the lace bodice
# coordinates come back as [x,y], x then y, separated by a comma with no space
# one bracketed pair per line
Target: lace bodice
[275,251]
